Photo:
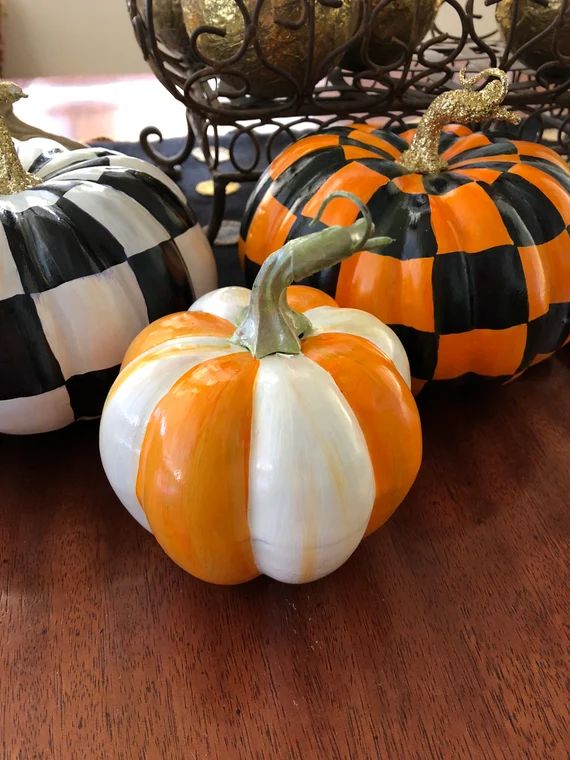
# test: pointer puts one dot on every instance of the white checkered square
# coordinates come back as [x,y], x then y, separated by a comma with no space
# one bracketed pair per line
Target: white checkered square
[89,322]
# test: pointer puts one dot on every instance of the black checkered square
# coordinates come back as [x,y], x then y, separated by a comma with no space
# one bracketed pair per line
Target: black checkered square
[480,298]
[75,276]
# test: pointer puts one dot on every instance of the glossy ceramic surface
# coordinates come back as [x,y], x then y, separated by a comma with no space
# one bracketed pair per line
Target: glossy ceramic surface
[280,466]
[477,280]
[106,244]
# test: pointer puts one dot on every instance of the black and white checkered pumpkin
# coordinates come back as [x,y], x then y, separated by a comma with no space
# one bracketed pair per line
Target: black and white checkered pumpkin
[104,245]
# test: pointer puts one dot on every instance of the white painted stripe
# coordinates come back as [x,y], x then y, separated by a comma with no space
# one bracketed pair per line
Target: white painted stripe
[135,228]
[29,150]
[327,319]
[228,303]
[128,162]
[19,202]
[89,322]
[311,482]
[87,173]
[10,282]
[60,161]
[36,414]
[197,255]
[72,158]
[130,405]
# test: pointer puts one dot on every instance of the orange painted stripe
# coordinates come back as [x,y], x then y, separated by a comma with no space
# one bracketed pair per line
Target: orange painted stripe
[526,148]
[504,158]
[399,292]
[353,178]
[547,273]
[486,352]
[385,410]
[408,135]
[481,175]
[457,129]
[241,250]
[471,140]
[301,148]
[183,324]
[547,185]
[193,470]
[375,140]
[540,358]
[353,153]
[268,230]
[410,183]
[363,127]
[303,298]
[466,219]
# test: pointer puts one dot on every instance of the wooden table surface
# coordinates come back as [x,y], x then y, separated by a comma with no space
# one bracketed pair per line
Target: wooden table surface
[442,637]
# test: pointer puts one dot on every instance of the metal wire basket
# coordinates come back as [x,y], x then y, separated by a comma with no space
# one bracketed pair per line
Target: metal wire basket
[391,94]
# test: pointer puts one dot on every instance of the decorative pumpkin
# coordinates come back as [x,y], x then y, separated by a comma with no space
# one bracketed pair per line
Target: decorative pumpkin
[534,18]
[271,448]
[477,280]
[94,246]
[406,20]
[276,57]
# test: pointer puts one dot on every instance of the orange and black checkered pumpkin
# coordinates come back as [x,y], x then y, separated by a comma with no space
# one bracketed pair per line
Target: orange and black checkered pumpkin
[477,280]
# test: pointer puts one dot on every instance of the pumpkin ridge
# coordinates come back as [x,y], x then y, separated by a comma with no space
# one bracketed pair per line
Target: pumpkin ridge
[528,214]
[384,408]
[461,144]
[322,439]
[544,185]
[553,170]
[360,134]
[130,403]
[501,147]
[181,344]
[308,173]
[193,479]
[290,156]
[173,215]
[84,246]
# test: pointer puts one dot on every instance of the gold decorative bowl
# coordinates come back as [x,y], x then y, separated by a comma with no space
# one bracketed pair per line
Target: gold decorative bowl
[395,20]
[294,59]
[168,24]
[533,19]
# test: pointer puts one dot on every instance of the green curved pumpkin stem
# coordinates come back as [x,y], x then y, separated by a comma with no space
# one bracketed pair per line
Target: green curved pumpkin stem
[463,106]
[13,177]
[270,325]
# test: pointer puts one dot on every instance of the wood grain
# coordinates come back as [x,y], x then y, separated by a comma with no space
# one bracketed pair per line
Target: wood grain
[441,638]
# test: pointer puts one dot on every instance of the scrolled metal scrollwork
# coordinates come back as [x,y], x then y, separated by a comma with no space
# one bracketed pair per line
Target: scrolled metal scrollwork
[221,90]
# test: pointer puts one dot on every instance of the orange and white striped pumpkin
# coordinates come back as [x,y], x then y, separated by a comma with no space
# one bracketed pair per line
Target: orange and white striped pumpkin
[242,465]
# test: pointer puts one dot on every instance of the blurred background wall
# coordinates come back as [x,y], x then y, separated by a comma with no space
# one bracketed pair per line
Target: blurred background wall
[66,37]
[63,37]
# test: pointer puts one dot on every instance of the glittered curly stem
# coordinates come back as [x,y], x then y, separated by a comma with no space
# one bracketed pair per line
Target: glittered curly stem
[13,177]
[270,325]
[463,106]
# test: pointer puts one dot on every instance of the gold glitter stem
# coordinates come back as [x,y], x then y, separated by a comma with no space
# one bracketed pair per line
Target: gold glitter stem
[463,106]
[13,177]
